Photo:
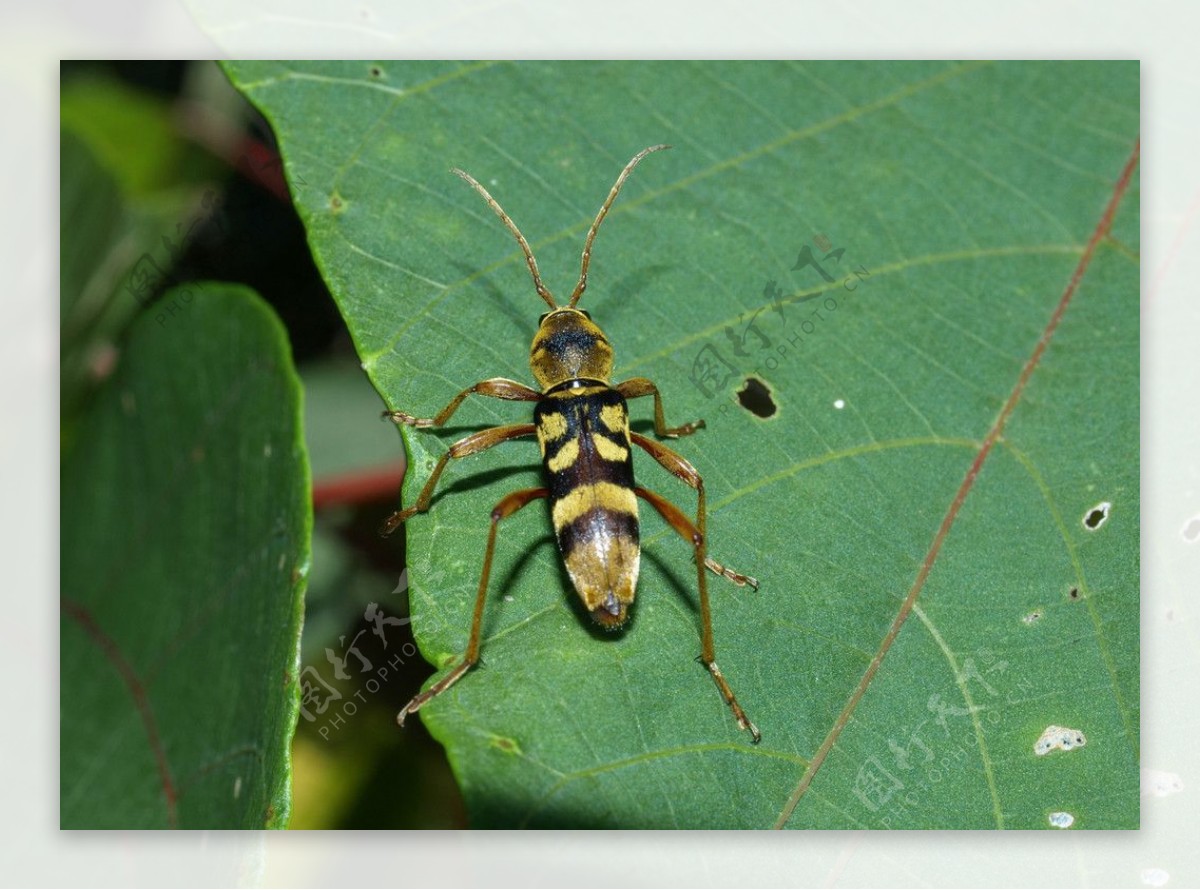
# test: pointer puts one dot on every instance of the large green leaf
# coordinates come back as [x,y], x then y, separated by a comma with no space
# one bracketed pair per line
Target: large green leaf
[931,599]
[185,542]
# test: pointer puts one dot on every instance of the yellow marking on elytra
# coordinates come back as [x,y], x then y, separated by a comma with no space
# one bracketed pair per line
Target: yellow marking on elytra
[613,417]
[552,426]
[598,494]
[567,455]
[608,449]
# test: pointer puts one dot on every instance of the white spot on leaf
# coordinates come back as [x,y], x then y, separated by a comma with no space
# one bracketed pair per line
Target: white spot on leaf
[1062,820]
[1058,738]
[839,404]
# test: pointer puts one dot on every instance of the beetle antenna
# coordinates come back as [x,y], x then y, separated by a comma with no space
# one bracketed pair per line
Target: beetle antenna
[512,227]
[591,236]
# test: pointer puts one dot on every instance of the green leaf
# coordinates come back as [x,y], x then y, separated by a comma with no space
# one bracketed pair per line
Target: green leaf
[185,533]
[915,632]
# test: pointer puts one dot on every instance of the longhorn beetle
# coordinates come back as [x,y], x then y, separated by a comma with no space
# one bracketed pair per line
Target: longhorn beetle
[582,427]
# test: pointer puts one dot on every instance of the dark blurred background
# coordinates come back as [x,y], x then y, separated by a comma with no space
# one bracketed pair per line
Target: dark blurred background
[202,190]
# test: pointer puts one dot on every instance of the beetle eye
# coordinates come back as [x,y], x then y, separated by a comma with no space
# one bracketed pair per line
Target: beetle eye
[586,314]
[544,316]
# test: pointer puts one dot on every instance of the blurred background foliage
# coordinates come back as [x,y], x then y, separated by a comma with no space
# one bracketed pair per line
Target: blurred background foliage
[167,160]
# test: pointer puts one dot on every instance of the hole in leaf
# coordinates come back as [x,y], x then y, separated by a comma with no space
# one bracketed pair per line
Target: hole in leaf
[755,397]
[1073,593]
[1096,516]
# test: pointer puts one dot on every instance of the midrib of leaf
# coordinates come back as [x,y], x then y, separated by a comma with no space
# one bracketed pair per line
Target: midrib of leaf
[994,434]
[136,688]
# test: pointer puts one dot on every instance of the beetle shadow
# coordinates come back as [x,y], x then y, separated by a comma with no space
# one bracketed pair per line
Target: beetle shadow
[448,435]
[476,480]
[685,591]
[510,580]
[523,313]
[619,298]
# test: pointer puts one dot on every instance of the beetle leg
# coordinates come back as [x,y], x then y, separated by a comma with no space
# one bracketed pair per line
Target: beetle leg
[690,532]
[496,388]
[507,506]
[679,467]
[636,387]
[464,447]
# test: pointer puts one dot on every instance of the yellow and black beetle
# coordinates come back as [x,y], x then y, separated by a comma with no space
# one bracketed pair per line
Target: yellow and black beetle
[582,425]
